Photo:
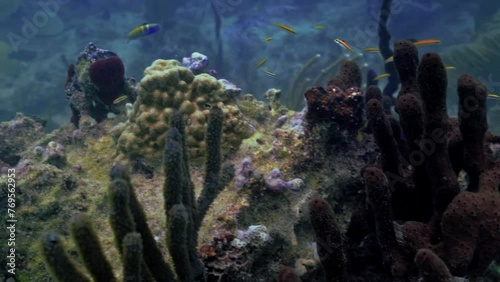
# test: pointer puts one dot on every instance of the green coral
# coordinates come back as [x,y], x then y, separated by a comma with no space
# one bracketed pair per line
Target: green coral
[165,88]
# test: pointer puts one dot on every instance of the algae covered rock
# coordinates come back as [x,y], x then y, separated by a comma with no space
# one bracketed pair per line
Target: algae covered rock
[167,87]
[16,136]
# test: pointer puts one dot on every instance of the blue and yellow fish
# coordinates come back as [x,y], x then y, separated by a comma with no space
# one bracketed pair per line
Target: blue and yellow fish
[143,30]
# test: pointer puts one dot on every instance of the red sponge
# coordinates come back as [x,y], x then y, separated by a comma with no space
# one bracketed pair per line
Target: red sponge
[109,77]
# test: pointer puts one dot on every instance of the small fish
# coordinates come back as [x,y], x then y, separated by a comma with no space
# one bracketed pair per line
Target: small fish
[390,59]
[371,49]
[319,27]
[119,99]
[267,39]
[427,42]
[384,75]
[269,73]
[343,44]
[261,63]
[496,96]
[143,30]
[450,68]
[285,27]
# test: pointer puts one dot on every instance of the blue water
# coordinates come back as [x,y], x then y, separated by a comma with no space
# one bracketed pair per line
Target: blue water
[40,38]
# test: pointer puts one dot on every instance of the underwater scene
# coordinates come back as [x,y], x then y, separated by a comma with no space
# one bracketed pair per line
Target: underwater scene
[252,141]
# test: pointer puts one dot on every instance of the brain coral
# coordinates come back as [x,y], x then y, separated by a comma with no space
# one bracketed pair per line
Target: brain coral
[166,87]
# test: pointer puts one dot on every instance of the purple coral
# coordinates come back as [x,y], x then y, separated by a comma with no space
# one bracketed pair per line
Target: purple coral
[243,173]
[276,183]
[196,62]
[256,235]
[229,88]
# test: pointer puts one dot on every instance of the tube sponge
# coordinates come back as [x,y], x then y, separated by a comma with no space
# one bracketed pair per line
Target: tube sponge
[57,260]
[329,240]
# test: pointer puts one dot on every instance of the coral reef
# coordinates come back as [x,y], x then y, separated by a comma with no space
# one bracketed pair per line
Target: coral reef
[54,154]
[196,63]
[334,115]
[16,136]
[340,103]
[446,230]
[167,87]
[131,232]
[381,198]
[94,83]
[276,183]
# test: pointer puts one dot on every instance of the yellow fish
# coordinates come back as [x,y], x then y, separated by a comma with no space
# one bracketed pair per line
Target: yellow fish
[261,63]
[343,44]
[371,49]
[450,68]
[390,59]
[319,27]
[119,99]
[491,95]
[427,42]
[143,30]
[384,75]
[267,39]
[285,27]
[269,73]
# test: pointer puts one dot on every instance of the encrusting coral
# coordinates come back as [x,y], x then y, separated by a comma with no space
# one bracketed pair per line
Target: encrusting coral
[166,88]
[131,232]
